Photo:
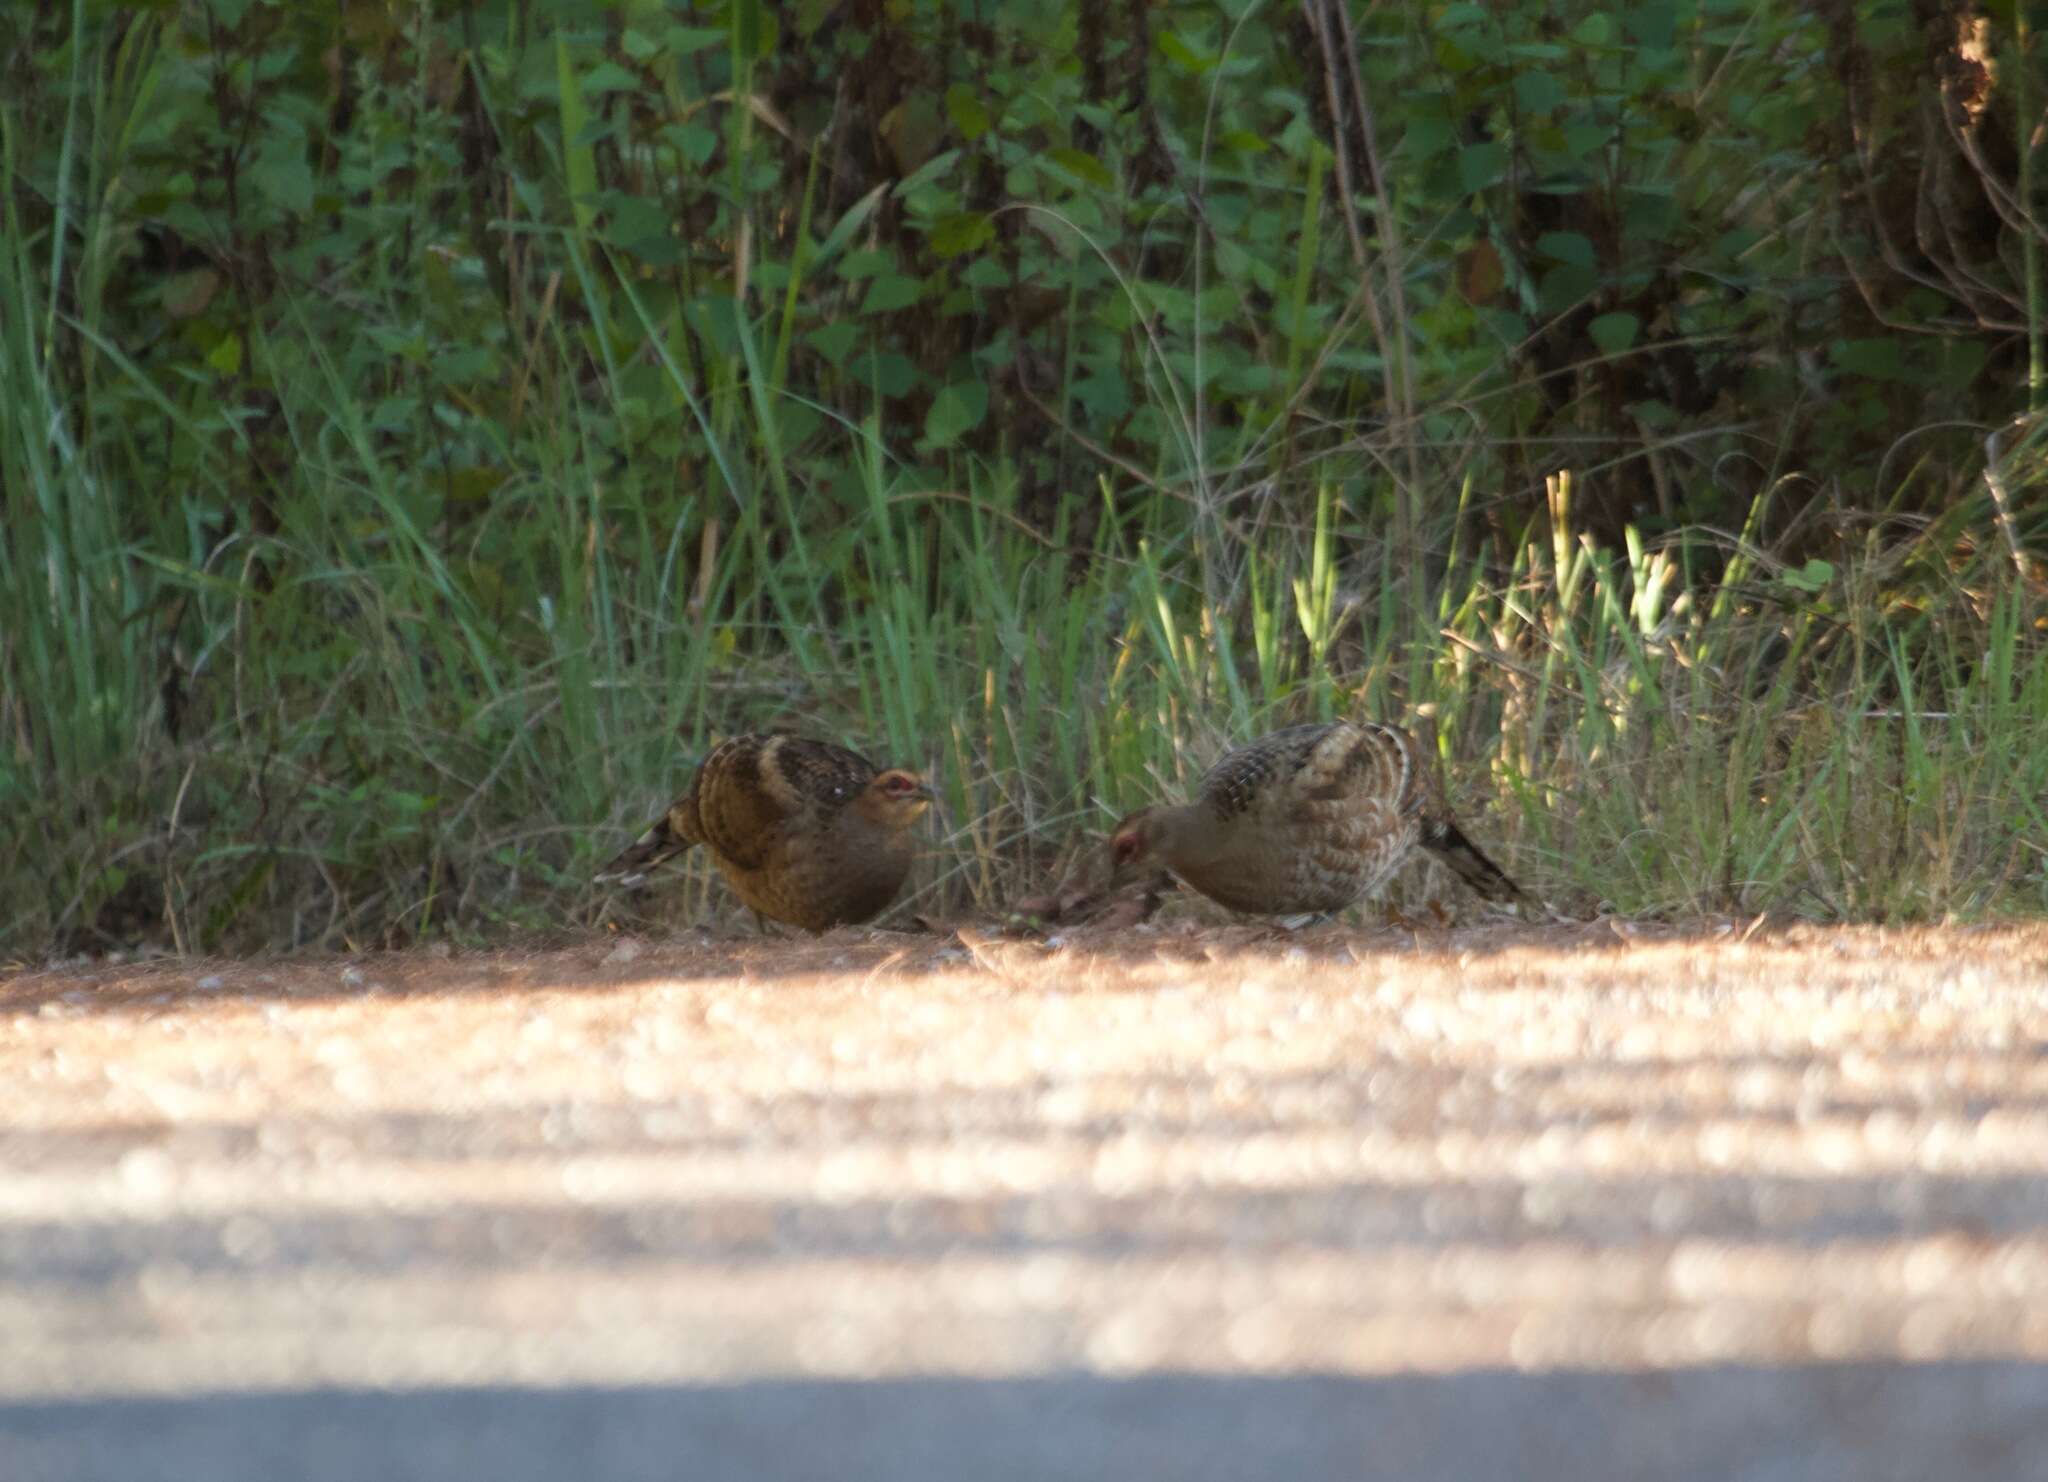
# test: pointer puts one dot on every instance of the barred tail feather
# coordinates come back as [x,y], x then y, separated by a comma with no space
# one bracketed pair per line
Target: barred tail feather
[652,849]
[1448,843]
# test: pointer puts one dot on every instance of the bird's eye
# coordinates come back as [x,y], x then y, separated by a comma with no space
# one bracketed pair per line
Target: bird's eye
[898,785]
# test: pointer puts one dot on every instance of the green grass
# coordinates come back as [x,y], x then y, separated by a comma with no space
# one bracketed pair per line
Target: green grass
[401,608]
[385,735]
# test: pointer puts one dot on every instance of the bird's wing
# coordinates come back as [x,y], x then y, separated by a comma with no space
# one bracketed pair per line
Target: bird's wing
[753,788]
[1305,769]
[1256,773]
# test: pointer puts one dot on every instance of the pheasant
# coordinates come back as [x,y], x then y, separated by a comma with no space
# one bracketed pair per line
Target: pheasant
[803,831]
[1308,819]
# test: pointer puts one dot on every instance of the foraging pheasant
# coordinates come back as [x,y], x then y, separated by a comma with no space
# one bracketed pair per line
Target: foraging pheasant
[1309,819]
[803,831]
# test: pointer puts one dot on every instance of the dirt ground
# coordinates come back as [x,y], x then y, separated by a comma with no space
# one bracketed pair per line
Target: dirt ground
[1590,1201]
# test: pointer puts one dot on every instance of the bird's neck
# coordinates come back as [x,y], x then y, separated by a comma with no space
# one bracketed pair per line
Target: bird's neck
[1186,836]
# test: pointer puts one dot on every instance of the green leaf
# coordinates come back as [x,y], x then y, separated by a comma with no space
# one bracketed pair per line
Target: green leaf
[1083,166]
[889,373]
[1582,139]
[1182,55]
[964,107]
[963,231]
[282,177]
[1614,333]
[1247,380]
[866,263]
[929,171]
[842,233]
[394,413]
[407,344]
[985,272]
[1506,325]
[1455,57]
[1107,395]
[1537,91]
[477,482]
[628,218]
[1649,211]
[1732,244]
[1428,136]
[891,291]
[461,366]
[1571,247]
[1877,359]
[226,354]
[657,250]
[1596,29]
[1565,287]
[692,141]
[834,341]
[956,411]
[608,77]
[1811,577]
[687,41]
[1653,24]
[1481,165]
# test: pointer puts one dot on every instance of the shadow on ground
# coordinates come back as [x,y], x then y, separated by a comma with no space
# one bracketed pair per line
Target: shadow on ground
[1872,1423]
[599,961]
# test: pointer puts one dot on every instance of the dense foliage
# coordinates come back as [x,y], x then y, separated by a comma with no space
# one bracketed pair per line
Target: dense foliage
[413,416]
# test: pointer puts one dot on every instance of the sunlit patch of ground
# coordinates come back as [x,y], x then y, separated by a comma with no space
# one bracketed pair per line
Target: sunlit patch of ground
[1210,1150]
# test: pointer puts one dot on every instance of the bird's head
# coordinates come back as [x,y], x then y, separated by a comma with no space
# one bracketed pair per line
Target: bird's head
[1132,846]
[896,799]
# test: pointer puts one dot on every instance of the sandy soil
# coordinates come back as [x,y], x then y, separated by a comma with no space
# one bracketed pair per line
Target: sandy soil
[1175,1178]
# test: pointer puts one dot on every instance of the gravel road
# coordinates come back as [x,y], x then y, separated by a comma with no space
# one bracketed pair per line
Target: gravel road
[1185,1202]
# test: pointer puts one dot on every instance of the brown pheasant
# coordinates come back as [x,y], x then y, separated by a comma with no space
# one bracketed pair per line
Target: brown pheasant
[803,831]
[1309,819]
